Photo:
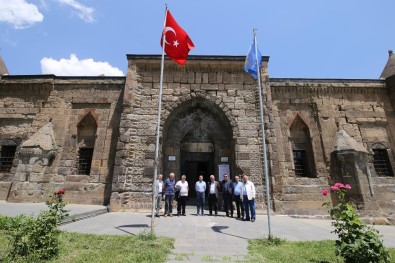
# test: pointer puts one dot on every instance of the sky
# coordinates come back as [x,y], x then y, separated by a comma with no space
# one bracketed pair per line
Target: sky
[341,39]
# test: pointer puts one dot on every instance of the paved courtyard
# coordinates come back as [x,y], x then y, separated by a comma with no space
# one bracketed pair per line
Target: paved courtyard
[198,238]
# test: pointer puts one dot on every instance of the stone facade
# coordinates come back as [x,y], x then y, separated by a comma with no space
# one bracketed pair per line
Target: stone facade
[28,105]
[362,108]
[318,131]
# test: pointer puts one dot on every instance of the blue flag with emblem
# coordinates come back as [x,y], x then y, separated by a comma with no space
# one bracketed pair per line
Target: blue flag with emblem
[253,59]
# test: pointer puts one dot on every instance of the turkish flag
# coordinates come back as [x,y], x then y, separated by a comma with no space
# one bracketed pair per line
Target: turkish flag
[177,41]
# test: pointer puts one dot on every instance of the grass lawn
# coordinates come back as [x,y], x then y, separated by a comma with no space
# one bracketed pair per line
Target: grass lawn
[76,247]
[260,250]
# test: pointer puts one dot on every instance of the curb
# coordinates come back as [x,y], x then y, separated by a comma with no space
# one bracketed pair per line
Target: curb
[77,217]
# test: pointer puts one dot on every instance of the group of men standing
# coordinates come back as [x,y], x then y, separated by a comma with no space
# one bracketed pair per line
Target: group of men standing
[242,193]
[168,189]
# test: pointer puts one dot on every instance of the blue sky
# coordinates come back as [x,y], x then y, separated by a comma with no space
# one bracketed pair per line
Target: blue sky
[304,39]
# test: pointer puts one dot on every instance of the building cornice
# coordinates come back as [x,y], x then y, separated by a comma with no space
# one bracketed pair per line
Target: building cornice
[18,82]
[194,57]
[283,85]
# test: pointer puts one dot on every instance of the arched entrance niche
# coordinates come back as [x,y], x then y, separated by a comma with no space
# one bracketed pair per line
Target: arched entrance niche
[197,138]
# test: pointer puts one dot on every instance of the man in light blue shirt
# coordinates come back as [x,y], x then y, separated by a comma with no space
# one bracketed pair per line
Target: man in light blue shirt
[237,187]
[200,188]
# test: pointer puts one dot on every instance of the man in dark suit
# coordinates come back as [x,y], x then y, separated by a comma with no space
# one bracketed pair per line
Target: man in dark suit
[227,194]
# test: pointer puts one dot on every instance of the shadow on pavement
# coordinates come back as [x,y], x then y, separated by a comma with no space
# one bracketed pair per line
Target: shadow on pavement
[219,229]
[132,226]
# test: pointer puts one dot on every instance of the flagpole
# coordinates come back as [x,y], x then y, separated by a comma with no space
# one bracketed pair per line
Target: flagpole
[156,161]
[263,138]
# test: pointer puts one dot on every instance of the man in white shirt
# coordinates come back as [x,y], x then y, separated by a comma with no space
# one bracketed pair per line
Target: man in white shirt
[158,193]
[182,188]
[248,197]
[213,189]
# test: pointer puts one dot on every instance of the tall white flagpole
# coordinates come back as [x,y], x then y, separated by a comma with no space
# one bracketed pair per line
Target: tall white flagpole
[263,138]
[156,161]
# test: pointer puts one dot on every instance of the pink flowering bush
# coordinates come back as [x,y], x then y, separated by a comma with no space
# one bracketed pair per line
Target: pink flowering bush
[56,206]
[358,243]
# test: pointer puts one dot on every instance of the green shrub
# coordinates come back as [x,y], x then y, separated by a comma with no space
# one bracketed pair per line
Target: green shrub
[4,222]
[357,241]
[36,239]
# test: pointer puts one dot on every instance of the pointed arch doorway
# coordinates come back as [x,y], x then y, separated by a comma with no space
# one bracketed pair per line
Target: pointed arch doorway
[196,136]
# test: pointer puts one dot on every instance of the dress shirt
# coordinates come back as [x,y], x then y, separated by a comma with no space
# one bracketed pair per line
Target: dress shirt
[200,187]
[237,187]
[183,186]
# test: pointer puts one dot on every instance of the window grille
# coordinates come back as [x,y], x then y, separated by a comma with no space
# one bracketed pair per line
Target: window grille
[85,161]
[7,155]
[300,163]
[381,162]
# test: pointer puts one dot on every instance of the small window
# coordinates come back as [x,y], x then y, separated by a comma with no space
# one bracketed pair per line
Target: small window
[381,162]
[85,161]
[300,163]
[7,155]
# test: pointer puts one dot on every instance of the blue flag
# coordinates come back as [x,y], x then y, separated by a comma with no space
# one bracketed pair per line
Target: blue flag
[250,65]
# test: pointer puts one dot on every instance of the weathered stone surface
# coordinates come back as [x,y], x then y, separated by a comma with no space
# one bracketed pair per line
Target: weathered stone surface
[209,102]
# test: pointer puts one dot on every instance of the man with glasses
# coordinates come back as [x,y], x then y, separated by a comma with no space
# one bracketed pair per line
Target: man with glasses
[227,193]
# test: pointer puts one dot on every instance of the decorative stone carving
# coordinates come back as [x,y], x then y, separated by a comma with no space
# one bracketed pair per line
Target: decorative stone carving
[41,144]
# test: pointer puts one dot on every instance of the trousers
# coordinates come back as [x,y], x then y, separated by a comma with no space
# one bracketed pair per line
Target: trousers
[200,203]
[212,203]
[169,204]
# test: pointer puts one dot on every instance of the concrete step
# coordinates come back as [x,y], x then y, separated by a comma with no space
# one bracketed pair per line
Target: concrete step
[73,217]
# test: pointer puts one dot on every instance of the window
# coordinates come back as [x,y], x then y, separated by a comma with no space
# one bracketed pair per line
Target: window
[381,162]
[86,135]
[300,163]
[7,155]
[302,150]
[85,161]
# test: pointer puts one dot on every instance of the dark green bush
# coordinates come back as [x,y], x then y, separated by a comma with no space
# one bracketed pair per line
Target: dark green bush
[36,239]
[4,222]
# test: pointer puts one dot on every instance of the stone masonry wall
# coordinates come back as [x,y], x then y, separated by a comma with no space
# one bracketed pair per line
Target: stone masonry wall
[361,108]
[64,102]
[222,83]
[125,113]
[19,105]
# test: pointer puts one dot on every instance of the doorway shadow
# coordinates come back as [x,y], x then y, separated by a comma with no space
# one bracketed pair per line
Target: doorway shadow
[219,229]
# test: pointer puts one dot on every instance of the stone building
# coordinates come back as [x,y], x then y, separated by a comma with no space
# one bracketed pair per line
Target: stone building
[95,136]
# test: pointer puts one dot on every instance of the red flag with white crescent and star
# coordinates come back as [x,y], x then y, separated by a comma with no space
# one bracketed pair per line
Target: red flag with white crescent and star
[177,42]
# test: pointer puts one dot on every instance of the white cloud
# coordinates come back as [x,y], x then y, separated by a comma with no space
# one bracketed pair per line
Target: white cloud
[84,12]
[19,13]
[43,5]
[76,67]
